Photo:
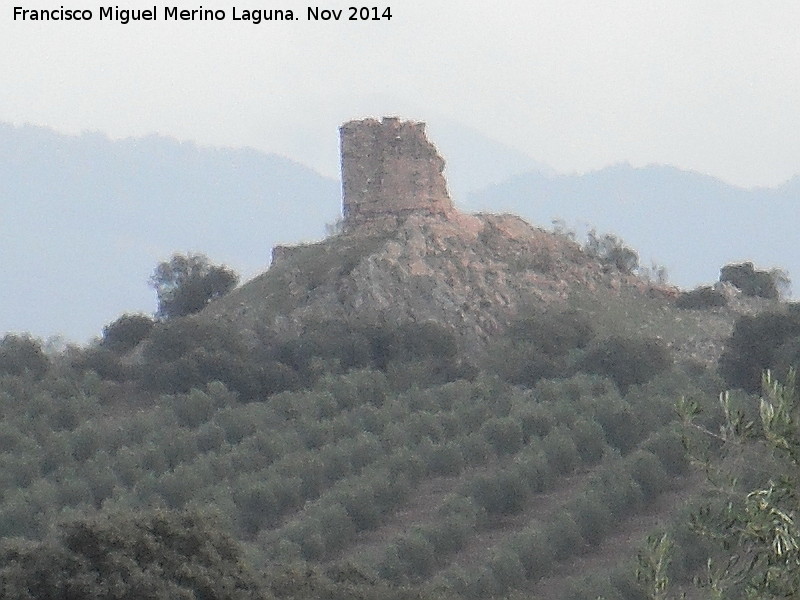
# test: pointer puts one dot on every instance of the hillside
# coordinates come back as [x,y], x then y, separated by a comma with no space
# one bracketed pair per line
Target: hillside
[690,222]
[426,405]
[400,259]
[473,273]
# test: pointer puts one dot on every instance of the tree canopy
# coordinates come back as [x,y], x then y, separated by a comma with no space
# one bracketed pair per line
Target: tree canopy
[186,283]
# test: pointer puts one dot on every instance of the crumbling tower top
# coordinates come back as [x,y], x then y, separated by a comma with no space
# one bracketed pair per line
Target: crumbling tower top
[390,170]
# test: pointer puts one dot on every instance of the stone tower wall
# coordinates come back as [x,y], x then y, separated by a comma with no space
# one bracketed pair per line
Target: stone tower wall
[390,170]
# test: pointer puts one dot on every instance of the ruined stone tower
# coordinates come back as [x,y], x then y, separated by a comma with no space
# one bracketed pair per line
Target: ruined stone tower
[389,171]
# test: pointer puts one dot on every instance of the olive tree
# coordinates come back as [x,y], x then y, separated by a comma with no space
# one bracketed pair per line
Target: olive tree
[186,283]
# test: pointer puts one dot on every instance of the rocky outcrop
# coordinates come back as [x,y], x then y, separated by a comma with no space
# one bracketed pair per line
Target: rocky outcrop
[406,254]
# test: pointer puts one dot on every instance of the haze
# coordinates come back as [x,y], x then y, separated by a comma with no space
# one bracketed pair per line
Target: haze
[546,87]
[711,87]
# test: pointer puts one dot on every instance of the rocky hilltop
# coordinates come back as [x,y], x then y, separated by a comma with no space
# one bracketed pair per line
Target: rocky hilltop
[407,254]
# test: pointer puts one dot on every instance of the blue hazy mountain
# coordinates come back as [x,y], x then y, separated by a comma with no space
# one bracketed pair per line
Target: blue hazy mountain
[84,220]
[475,161]
[691,223]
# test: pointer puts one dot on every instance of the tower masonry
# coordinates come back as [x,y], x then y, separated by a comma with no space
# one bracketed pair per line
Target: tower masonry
[389,171]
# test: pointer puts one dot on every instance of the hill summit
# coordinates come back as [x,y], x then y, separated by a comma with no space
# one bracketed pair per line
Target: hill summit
[406,254]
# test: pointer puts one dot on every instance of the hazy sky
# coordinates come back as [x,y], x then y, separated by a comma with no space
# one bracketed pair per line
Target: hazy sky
[712,86]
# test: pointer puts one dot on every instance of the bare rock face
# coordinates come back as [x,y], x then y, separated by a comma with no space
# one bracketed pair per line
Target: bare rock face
[390,171]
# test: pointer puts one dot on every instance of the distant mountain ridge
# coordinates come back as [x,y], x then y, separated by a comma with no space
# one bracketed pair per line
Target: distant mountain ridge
[689,222]
[84,220]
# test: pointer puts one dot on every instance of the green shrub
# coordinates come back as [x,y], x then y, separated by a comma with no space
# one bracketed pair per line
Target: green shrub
[522,363]
[357,388]
[507,569]
[593,518]
[755,346]
[189,352]
[210,436]
[312,545]
[13,440]
[336,525]
[20,354]
[19,470]
[124,334]
[188,282]
[536,421]
[501,493]
[390,493]
[534,552]
[536,471]
[85,442]
[537,346]
[620,424]
[646,470]
[450,534]
[668,446]
[560,449]
[700,298]
[126,555]
[590,440]
[753,282]
[418,555]
[563,536]
[612,251]
[362,508]
[236,424]
[24,512]
[331,340]
[257,504]
[364,450]
[425,340]
[391,567]
[617,489]
[424,425]
[180,485]
[504,434]
[627,361]
[475,449]
[553,333]
[589,587]
[102,361]
[192,409]
[445,459]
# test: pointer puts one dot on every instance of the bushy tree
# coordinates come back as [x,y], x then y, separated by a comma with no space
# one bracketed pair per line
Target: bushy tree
[648,472]
[504,434]
[701,298]
[753,282]
[20,354]
[754,532]
[126,332]
[626,361]
[537,346]
[757,343]
[554,334]
[186,283]
[502,493]
[593,518]
[129,556]
[611,250]
[188,352]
